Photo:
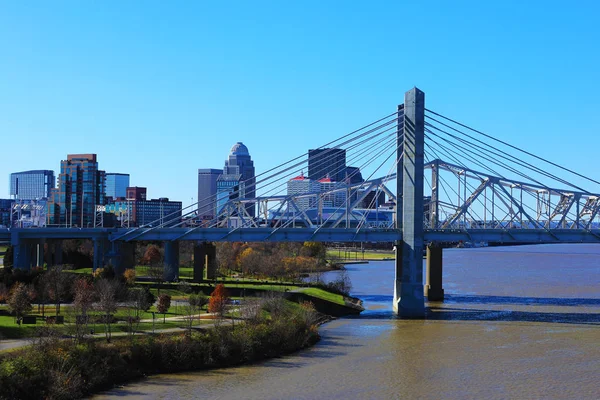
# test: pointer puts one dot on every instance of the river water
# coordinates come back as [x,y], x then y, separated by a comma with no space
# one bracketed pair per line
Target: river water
[518,322]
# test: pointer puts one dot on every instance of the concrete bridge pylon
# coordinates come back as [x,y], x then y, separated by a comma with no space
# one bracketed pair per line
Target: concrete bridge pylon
[409,300]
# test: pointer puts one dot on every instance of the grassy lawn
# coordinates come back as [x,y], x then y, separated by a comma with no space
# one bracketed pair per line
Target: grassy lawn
[357,255]
[322,294]
[10,330]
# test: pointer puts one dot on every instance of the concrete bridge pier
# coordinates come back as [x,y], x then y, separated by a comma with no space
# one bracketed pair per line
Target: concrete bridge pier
[409,300]
[101,246]
[171,261]
[56,254]
[433,282]
[22,254]
[39,250]
[205,261]
[122,256]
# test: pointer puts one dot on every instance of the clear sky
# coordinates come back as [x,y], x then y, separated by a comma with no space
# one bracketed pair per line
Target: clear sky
[159,89]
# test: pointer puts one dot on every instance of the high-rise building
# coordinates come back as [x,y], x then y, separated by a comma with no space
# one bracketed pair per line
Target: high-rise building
[373,199]
[5,212]
[116,185]
[207,192]
[353,175]
[333,194]
[136,193]
[303,185]
[142,212]
[31,185]
[81,186]
[237,180]
[327,162]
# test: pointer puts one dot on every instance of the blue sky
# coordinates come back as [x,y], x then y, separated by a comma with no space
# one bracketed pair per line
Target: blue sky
[159,89]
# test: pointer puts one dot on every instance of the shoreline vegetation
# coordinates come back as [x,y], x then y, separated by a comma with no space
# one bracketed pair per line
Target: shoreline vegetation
[278,299]
[69,369]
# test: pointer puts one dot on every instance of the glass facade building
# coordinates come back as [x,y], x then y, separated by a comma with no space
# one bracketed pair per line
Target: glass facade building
[153,212]
[5,211]
[31,185]
[81,186]
[116,185]
[237,180]
[324,163]
[207,192]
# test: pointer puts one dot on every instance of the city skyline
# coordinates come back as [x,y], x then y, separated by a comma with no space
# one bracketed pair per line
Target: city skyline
[139,96]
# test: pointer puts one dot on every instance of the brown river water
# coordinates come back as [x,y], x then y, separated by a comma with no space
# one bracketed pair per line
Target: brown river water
[518,323]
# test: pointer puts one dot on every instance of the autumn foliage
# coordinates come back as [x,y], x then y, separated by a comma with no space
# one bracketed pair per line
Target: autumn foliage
[218,300]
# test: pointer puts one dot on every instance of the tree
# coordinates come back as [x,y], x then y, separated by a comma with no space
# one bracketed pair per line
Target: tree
[57,284]
[200,300]
[106,301]
[189,313]
[19,301]
[218,301]
[8,257]
[3,293]
[164,302]
[83,298]
[138,302]
[152,254]
[129,276]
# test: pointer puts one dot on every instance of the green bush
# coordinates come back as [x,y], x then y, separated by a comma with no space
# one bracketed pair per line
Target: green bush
[61,369]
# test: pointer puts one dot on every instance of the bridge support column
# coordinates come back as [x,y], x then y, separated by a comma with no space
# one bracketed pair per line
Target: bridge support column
[409,301]
[199,261]
[100,249]
[39,259]
[171,261]
[205,261]
[433,283]
[123,255]
[55,252]
[211,261]
[22,252]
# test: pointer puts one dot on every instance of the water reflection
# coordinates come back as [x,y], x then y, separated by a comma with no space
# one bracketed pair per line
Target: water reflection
[520,322]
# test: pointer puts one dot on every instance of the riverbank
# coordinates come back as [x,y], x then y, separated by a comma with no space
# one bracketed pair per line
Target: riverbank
[65,369]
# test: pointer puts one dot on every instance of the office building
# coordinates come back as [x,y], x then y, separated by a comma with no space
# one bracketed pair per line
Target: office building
[5,211]
[302,185]
[81,187]
[333,194]
[136,193]
[327,162]
[116,185]
[237,179]
[141,212]
[207,192]
[31,185]
[373,199]
[353,175]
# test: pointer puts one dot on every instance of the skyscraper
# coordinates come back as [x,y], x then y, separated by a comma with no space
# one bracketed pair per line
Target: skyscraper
[207,192]
[116,185]
[31,185]
[81,186]
[237,180]
[328,162]
[302,185]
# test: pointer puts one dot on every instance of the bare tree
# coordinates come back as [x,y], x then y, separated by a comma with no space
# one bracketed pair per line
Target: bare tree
[138,302]
[19,301]
[83,298]
[106,302]
[190,311]
[57,284]
[164,302]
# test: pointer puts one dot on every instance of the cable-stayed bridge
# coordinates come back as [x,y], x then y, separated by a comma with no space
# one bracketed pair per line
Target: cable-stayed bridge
[429,180]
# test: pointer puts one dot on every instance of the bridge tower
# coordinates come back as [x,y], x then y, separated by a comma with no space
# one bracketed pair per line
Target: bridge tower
[409,300]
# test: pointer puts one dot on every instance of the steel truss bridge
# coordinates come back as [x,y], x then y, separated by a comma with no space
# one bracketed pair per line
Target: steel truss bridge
[444,182]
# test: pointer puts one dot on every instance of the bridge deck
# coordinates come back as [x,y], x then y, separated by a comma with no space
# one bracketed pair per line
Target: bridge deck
[305,234]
